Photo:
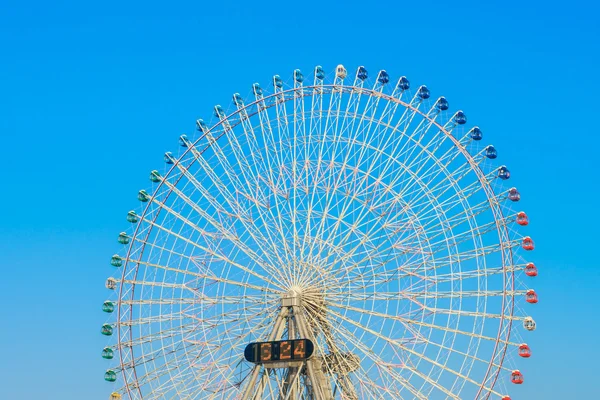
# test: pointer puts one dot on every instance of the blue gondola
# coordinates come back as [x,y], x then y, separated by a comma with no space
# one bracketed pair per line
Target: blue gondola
[219,113]
[403,84]
[201,125]
[237,100]
[490,152]
[423,92]
[298,77]
[257,89]
[383,77]
[362,73]
[183,141]
[476,133]
[460,118]
[169,157]
[503,173]
[442,104]
[319,73]
[277,82]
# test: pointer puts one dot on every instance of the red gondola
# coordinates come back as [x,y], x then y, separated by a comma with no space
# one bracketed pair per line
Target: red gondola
[527,243]
[531,296]
[531,270]
[522,219]
[516,377]
[524,351]
[506,398]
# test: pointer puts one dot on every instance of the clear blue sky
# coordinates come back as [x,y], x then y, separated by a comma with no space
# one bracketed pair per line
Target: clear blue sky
[92,94]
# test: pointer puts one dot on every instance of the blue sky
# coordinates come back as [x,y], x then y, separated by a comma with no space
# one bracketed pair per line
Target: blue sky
[91,95]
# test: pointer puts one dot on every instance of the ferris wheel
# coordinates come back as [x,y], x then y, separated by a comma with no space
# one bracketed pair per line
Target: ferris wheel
[338,237]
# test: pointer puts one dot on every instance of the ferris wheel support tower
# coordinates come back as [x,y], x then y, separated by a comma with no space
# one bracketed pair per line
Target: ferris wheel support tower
[292,319]
[345,238]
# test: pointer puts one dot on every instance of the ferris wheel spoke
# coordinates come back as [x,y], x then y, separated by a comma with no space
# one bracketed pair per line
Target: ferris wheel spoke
[387,113]
[462,313]
[161,335]
[209,277]
[157,354]
[426,152]
[437,162]
[379,126]
[205,250]
[336,179]
[451,181]
[195,387]
[385,257]
[275,179]
[315,121]
[232,237]
[199,299]
[379,362]
[474,253]
[465,217]
[401,347]
[324,153]
[467,235]
[395,296]
[460,218]
[229,316]
[210,251]
[475,274]
[458,331]
[419,355]
[252,183]
[430,280]
[157,373]
[466,355]
[448,261]
[360,217]
[449,204]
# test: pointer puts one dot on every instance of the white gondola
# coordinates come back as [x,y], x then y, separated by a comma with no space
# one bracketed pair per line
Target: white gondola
[341,72]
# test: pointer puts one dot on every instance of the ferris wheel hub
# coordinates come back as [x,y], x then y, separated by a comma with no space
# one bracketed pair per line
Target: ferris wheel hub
[292,298]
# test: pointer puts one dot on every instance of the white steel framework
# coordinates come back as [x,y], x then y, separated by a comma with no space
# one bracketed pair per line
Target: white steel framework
[353,212]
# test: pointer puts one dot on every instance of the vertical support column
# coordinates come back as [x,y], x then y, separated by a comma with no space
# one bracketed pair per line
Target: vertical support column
[320,385]
[290,389]
[275,334]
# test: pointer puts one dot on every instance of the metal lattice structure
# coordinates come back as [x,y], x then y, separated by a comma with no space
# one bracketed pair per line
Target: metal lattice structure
[354,212]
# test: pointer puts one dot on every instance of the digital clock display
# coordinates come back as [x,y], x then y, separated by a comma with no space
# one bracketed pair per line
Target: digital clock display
[282,350]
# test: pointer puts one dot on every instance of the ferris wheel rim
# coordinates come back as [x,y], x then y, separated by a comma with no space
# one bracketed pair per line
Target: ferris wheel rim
[490,195]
